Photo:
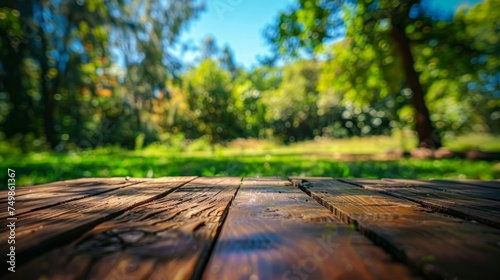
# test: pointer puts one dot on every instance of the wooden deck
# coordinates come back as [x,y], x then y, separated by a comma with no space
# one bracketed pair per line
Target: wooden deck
[255,228]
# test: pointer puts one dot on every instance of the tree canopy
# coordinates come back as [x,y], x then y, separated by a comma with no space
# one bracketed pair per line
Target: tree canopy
[379,42]
[80,74]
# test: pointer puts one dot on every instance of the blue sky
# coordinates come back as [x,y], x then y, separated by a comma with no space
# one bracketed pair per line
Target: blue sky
[237,23]
[240,24]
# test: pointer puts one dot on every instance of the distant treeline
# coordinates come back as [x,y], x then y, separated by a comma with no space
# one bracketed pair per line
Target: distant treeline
[81,74]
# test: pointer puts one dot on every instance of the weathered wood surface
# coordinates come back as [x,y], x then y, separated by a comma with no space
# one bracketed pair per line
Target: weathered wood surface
[436,245]
[459,205]
[164,239]
[495,184]
[33,198]
[258,228]
[39,232]
[275,231]
[453,187]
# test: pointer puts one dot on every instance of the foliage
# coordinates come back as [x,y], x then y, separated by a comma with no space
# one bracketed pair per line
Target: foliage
[293,105]
[210,100]
[86,74]
[382,37]
[61,75]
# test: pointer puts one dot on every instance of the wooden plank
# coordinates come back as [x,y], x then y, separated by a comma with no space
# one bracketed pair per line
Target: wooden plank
[275,231]
[495,184]
[438,246]
[454,187]
[168,238]
[50,187]
[368,182]
[60,224]
[481,210]
[34,198]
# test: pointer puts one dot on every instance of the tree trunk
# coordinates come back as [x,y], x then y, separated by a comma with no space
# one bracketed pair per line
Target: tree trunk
[19,121]
[48,96]
[427,135]
[18,99]
[48,113]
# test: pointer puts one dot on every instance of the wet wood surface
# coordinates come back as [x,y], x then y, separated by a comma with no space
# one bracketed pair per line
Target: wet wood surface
[255,228]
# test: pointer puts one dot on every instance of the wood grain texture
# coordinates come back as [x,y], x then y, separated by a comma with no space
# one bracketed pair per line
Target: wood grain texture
[494,184]
[58,225]
[167,238]
[471,208]
[275,231]
[453,187]
[34,198]
[438,246]
[76,183]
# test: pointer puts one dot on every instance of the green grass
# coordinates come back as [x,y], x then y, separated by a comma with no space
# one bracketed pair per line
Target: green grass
[401,140]
[483,142]
[242,158]
[355,145]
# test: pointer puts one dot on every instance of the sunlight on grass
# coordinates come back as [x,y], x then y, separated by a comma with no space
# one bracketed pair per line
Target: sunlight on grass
[485,142]
[320,146]
[248,158]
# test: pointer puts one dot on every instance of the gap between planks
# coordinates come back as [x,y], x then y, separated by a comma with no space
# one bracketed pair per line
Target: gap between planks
[456,187]
[167,238]
[203,263]
[63,223]
[434,244]
[493,184]
[49,195]
[275,231]
[478,209]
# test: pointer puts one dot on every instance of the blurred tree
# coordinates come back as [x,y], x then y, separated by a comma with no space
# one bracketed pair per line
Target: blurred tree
[227,61]
[69,46]
[458,64]
[292,108]
[477,45]
[312,23]
[16,101]
[54,37]
[356,97]
[363,76]
[146,44]
[248,91]
[266,77]
[209,48]
[208,89]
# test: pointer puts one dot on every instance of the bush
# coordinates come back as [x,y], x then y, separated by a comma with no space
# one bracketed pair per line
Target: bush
[198,145]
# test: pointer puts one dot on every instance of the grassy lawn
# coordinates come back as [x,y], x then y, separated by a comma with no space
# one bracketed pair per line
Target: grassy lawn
[248,158]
